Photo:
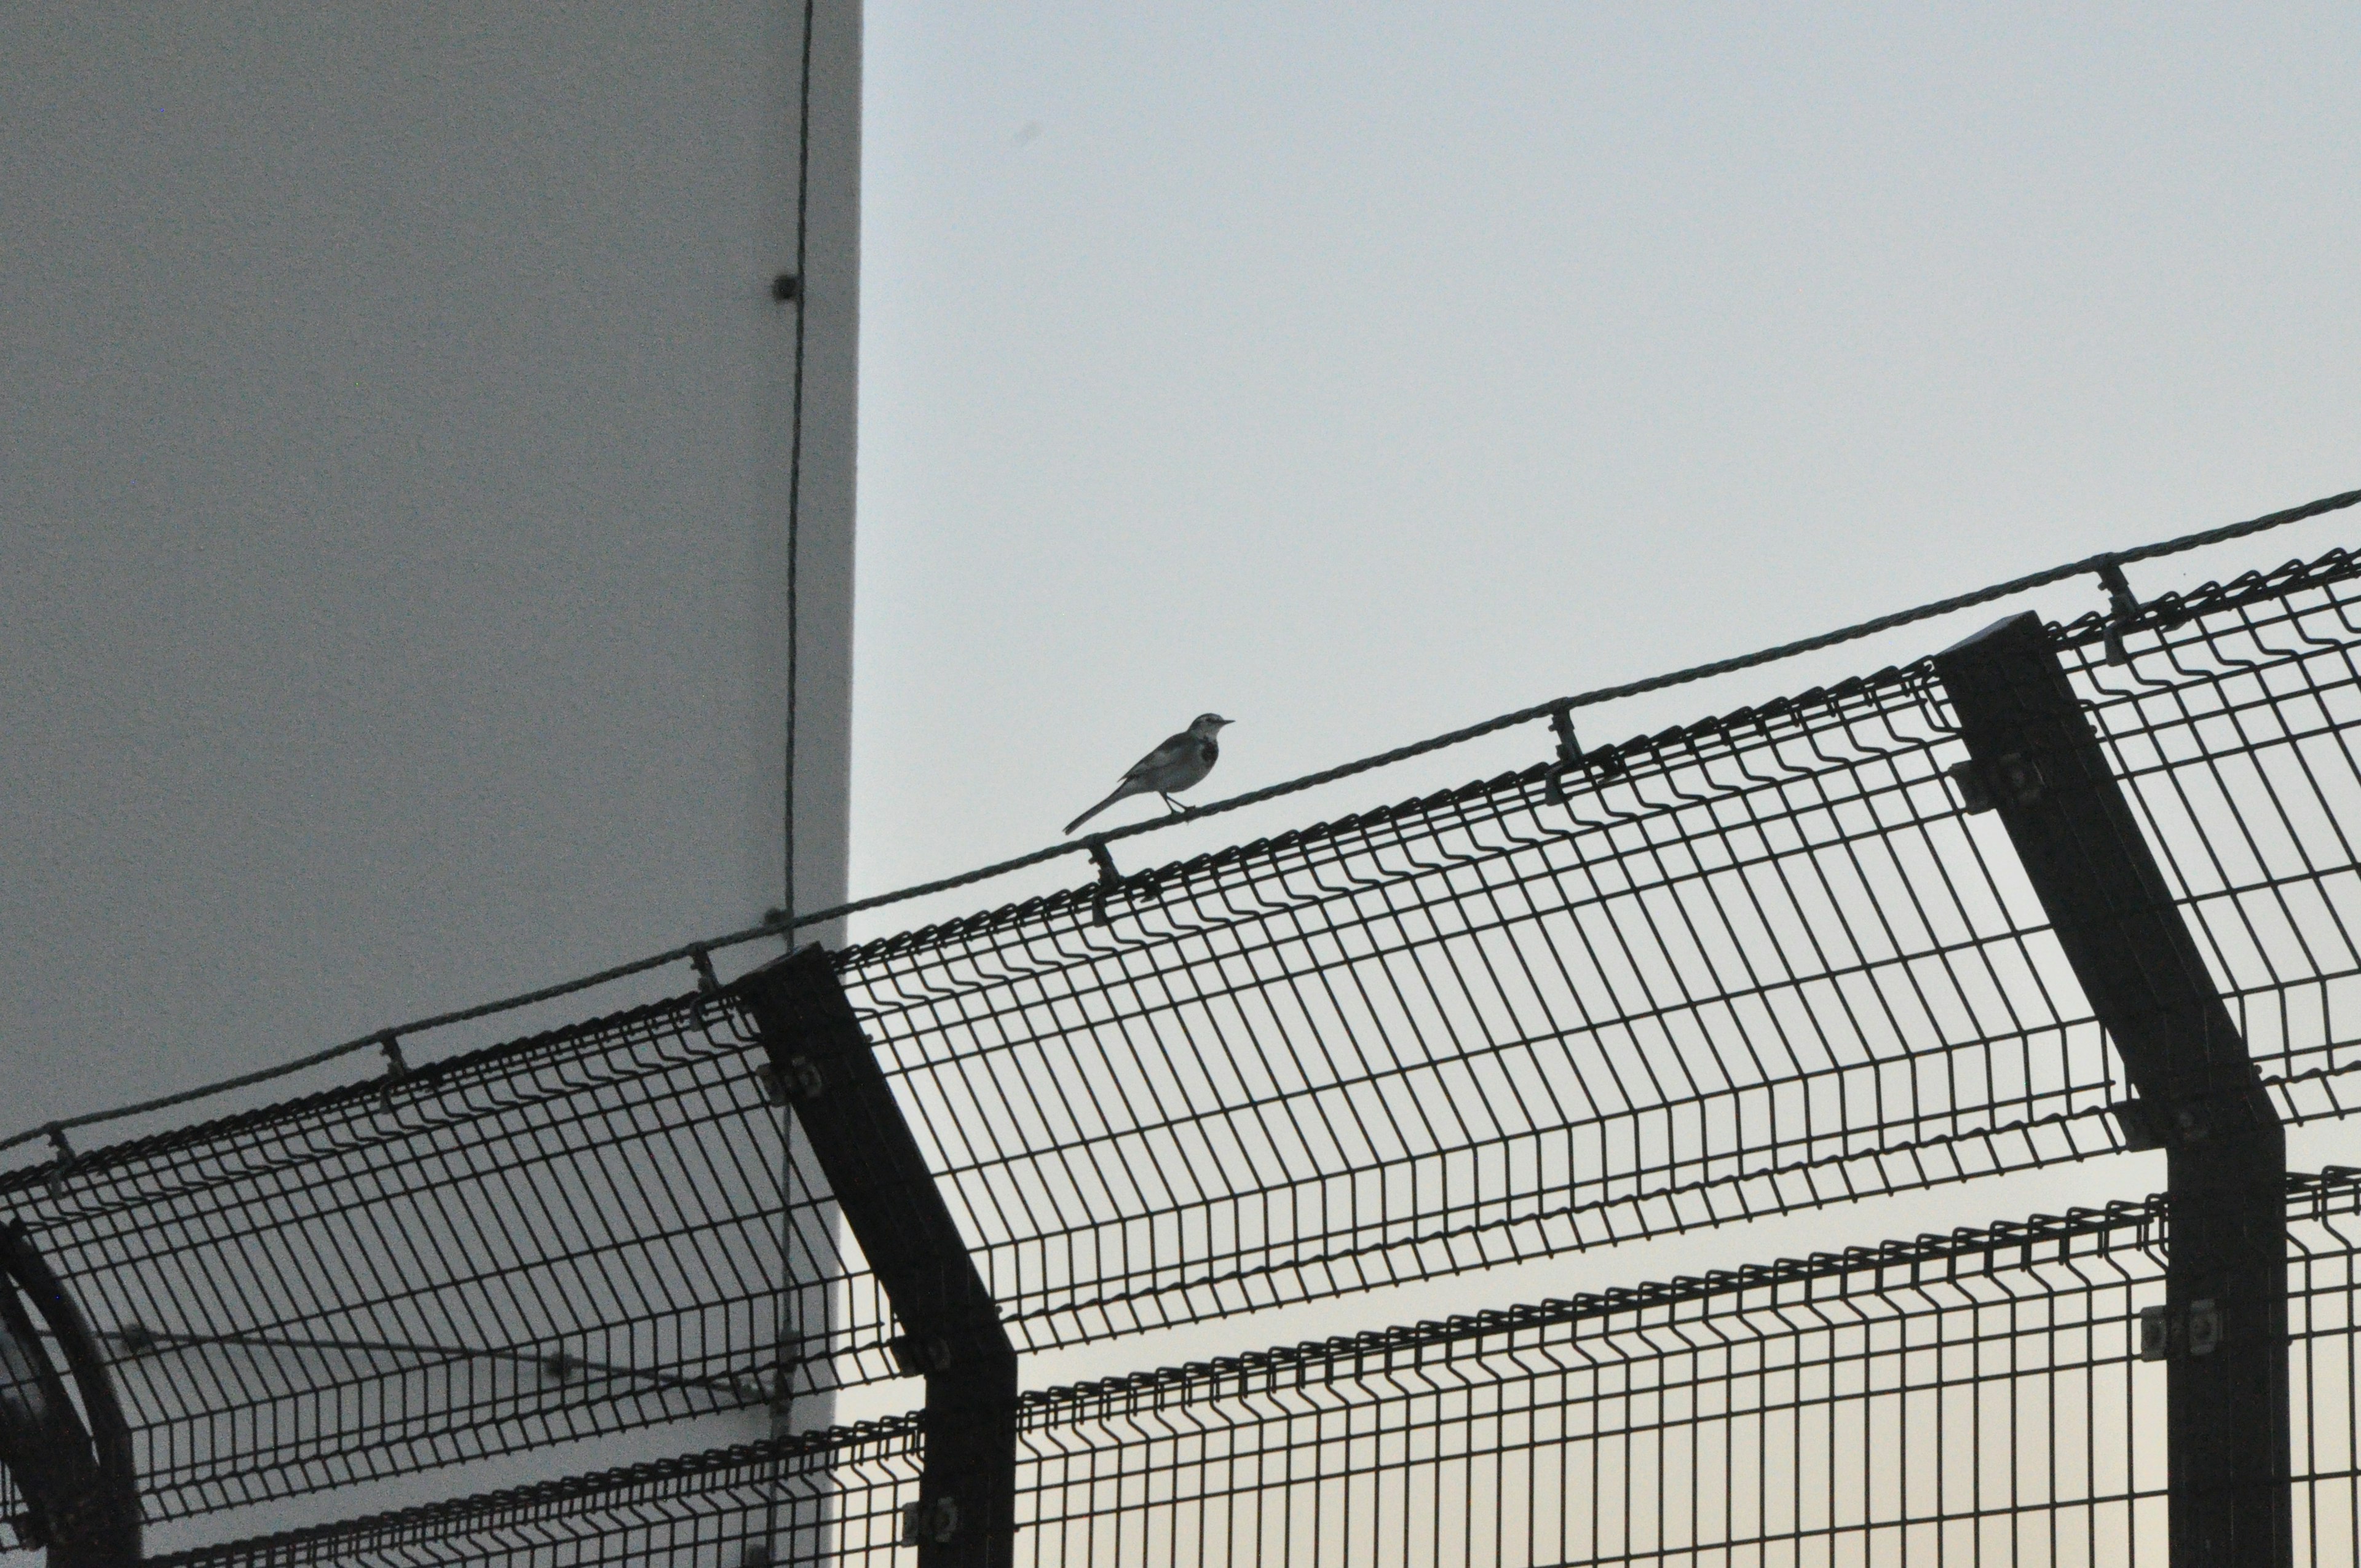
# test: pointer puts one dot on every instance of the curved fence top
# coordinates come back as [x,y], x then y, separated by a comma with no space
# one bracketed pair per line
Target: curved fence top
[1764,962]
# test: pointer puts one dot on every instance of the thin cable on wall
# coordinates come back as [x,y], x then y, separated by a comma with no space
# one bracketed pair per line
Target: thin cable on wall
[699,953]
[795,454]
[790,1298]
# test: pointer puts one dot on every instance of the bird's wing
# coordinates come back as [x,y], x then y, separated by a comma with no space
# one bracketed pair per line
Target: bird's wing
[1151,774]
[1174,748]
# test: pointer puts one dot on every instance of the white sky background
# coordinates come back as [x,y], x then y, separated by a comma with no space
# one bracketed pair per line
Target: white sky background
[1358,371]
[1361,371]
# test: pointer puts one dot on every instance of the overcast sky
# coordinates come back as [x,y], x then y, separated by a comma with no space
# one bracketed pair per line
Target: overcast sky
[1356,370]
[1363,370]
[1360,370]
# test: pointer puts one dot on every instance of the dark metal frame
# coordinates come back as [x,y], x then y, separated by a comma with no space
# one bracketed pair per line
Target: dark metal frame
[77,1484]
[2224,1326]
[822,1065]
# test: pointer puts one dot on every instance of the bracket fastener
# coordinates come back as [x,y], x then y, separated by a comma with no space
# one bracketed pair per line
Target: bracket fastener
[2135,1126]
[1968,780]
[2014,777]
[2204,1328]
[1110,880]
[936,1522]
[56,1136]
[1601,764]
[2201,1331]
[917,1356]
[801,1080]
[2122,606]
[1569,755]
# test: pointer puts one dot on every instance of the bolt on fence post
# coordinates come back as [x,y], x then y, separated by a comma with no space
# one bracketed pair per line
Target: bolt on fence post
[965,1515]
[2224,1329]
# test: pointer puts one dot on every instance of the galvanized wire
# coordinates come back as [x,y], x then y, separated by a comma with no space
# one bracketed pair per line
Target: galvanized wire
[698,953]
[1762,961]
[1756,963]
[1980,1396]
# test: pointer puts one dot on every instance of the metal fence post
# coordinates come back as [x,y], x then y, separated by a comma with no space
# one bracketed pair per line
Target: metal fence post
[965,1516]
[2223,1330]
[78,1485]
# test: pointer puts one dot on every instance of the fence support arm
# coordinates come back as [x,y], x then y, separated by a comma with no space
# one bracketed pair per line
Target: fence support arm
[80,1487]
[965,1516]
[2223,1331]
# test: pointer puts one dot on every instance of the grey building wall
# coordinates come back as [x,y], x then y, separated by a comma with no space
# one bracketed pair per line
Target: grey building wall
[399,439]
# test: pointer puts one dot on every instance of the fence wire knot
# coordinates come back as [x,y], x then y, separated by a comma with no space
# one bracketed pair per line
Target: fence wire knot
[2123,607]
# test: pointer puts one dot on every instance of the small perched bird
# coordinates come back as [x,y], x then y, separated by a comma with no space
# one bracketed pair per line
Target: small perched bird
[1182,761]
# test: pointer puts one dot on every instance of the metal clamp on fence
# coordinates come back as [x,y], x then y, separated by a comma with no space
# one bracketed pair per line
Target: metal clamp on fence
[1601,764]
[1110,879]
[965,1515]
[2122,608]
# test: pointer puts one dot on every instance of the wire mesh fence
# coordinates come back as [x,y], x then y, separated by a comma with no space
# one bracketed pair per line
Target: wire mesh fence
[563,1236]
[1978,1397]
[2231,727]
[1764,962]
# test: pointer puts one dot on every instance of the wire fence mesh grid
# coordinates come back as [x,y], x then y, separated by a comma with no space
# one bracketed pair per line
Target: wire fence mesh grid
[564,1236]
[1980,1396]
[1764,961]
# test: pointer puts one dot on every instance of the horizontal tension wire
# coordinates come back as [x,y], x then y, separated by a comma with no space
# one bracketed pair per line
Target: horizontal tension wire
[2107,563]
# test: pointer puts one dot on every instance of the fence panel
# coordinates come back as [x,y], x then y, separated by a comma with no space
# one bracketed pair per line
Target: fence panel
[1978,1397]
[1762,961]
[572,1235]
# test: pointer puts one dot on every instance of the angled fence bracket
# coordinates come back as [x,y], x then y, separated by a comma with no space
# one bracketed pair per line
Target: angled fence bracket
[79,1487]
[2223,1332]
[953,1336]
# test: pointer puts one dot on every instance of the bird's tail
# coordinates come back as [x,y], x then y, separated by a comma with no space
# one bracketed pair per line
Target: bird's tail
[1095,810]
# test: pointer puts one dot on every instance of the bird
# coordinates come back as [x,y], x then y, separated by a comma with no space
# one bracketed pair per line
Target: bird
[1181,762]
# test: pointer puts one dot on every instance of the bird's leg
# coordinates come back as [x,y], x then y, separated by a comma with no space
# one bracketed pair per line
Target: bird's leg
[1171,804]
